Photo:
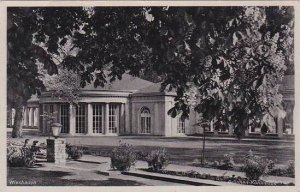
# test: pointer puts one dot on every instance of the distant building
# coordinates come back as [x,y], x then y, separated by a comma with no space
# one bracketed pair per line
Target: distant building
[133,106]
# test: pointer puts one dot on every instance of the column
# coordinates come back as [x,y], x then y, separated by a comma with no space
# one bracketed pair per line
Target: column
[90,118]
[247,131]
[212,128]
[122,119]
[72,114]
[37,112]
[134,126]
[168,120]
[28,117]
[280,127]
[31,117]
[44,130]
[106,118]
[127,120]
[230,129]
[157,121]
[25,117]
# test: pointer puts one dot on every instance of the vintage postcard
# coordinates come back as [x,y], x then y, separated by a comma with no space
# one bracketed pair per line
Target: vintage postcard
[167,96]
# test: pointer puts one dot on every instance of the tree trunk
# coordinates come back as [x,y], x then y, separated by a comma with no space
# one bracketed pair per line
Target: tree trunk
[18,123]
[203,149]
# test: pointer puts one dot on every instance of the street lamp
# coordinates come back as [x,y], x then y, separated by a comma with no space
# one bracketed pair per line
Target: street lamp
[56,129]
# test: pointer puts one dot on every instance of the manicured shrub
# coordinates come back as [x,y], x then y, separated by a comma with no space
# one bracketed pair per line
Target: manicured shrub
[74,152]
[123,157]
[255,166]
[228,162]
[19,155]
[290,171]
[157,159]
[141,155]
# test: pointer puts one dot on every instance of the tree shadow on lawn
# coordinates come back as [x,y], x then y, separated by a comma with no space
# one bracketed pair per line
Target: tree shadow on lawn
[21,176]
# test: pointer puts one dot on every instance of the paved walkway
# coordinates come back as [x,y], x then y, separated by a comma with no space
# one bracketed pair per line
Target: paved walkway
[105,165]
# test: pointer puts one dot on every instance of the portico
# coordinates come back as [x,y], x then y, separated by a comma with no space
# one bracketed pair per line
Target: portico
[93,118]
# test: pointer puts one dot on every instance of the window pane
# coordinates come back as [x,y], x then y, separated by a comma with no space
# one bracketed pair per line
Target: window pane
[64,118]
[81,118]
[98,118]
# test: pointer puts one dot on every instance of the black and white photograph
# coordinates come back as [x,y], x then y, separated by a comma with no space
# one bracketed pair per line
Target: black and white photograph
[150,95]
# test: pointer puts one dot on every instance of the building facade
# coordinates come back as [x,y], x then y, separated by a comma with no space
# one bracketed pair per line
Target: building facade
[133,106]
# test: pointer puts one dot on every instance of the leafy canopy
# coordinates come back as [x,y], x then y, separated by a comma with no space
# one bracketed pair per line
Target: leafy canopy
[224,62]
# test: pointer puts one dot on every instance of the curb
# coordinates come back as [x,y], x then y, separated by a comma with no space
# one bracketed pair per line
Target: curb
[177,179]
[87,161]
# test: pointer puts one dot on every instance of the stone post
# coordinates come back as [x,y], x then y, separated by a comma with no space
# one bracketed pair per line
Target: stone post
[56,151]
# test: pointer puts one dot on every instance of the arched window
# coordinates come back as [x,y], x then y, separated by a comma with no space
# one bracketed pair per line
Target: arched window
[145,120]
[180,125]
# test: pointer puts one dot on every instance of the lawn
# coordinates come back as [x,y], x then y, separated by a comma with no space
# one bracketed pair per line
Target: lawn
[185,151]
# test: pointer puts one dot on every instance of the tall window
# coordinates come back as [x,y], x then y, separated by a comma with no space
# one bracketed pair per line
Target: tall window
[51,109]
[98,118]
[81,120]
[180,125]
[113,121]
[145,120]
[64,118]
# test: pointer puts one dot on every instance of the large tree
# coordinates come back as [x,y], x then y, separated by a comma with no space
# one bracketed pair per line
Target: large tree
[226,62]
[25,50]
[22,73]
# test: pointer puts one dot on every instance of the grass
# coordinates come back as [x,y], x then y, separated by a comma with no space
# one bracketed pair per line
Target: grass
[186,156]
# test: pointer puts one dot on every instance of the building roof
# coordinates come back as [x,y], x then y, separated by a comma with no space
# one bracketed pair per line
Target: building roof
[155,88]
[127,83]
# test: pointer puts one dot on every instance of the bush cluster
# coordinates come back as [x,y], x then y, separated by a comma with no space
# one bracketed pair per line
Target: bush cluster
[74,152]
[288,171]
[233,178]
[255,166]
[123,157]
[157,159]
[20,155]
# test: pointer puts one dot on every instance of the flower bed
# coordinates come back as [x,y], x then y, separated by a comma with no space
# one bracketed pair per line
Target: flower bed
[20,154]
[233,179]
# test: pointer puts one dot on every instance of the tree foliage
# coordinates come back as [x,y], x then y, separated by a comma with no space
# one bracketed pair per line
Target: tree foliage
[228,62]
[224,62]
[65,85]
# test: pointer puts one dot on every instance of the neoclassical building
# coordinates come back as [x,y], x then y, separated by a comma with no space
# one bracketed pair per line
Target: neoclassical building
[133,106]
